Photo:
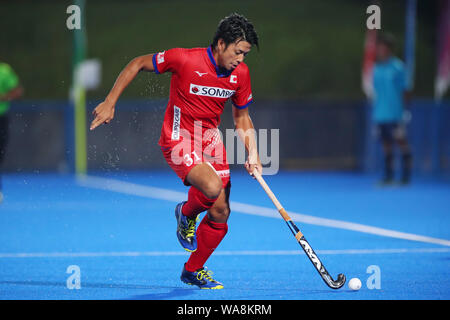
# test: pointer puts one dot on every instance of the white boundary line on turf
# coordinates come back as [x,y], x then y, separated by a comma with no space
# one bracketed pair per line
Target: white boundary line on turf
[216,253]
[176,196]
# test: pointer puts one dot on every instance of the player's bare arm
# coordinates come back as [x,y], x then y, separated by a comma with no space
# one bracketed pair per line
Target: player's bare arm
[104,112]
[244,125]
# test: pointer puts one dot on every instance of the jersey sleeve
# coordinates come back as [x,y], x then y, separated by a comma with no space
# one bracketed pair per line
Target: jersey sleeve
[243,95]
[170,60]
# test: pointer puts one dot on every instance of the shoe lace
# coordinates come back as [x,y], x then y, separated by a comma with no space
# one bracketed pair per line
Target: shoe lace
[205,275]
[190,230]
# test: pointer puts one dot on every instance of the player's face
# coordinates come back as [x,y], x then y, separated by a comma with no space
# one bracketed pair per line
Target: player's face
[383,52]
[230,57]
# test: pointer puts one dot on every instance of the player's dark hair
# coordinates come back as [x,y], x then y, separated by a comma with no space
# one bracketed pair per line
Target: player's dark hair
[387,39]
[235,27]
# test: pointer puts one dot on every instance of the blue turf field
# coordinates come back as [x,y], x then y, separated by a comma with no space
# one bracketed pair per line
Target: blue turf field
[120,230]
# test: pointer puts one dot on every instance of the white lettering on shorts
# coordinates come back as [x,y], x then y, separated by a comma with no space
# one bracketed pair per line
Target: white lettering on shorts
[221,173]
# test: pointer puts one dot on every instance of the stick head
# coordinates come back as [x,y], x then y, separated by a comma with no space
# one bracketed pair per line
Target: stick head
[338,283]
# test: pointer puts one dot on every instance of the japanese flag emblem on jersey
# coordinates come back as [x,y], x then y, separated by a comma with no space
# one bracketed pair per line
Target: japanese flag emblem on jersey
[160,57]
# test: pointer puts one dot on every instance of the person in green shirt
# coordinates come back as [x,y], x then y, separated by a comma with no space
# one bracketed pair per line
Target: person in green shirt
[10,89]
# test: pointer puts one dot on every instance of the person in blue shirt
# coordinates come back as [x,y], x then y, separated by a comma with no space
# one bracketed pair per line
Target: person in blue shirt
[389,100]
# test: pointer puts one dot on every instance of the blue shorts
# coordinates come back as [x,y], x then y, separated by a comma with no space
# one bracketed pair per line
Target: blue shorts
[389,132]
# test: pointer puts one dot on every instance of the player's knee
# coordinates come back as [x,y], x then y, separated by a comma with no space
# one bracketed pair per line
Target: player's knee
[220,213]
[224,210]
[213,188]
[403,144]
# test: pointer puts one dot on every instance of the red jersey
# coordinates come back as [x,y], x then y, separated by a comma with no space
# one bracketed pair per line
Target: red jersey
[198,90]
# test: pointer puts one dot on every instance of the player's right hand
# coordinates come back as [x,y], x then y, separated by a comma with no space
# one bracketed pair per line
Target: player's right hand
[103,113]
[251,166]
